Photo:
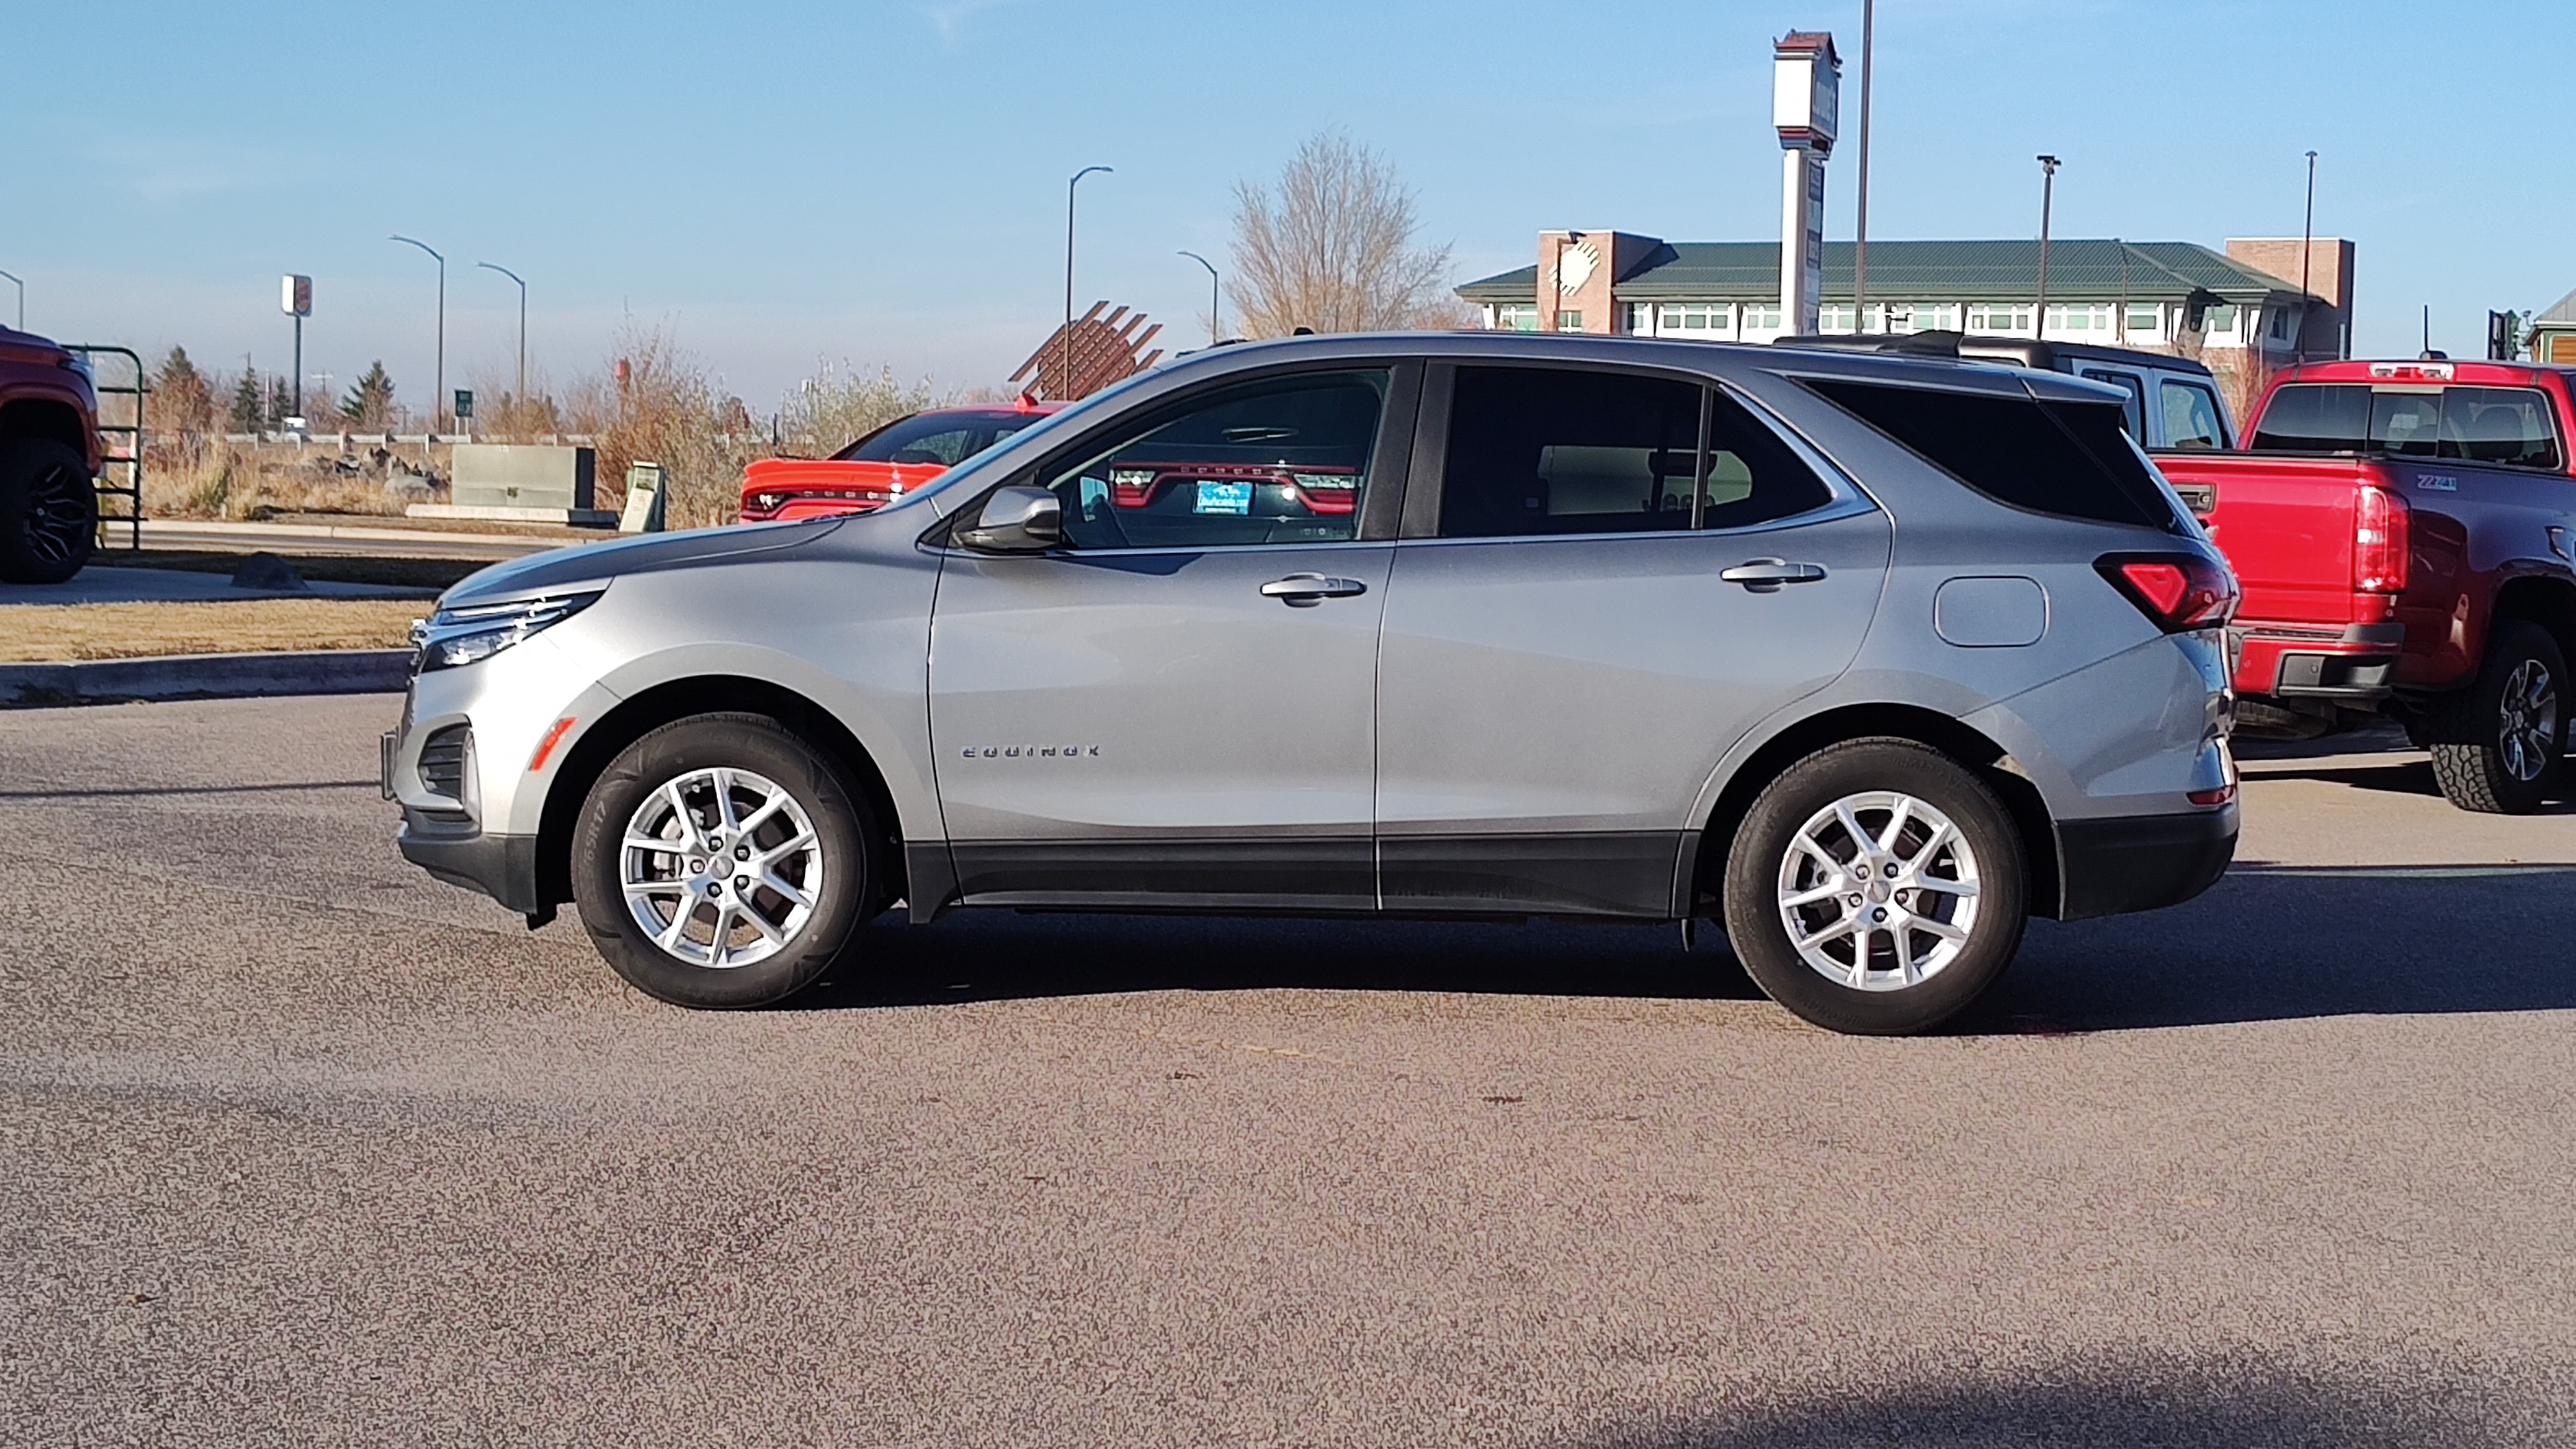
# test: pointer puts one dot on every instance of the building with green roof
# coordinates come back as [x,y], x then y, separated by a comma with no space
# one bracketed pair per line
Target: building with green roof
[2234,310]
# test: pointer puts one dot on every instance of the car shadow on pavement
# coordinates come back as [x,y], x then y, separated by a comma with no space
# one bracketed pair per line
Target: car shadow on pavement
[2143,1402]
[2267,943]
[981,955]
[2272,943]
[2398,777]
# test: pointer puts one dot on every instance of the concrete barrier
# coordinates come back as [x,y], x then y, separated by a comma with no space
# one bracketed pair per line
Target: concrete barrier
[205,676]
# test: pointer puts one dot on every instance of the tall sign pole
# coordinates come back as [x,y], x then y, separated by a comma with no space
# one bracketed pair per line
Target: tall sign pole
[296,297]
[1860,216]
[1806,84]
[2047,201]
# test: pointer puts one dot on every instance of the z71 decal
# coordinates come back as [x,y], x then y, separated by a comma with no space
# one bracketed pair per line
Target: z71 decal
[2437,482]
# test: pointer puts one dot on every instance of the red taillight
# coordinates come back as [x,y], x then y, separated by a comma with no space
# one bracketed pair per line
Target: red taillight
[2179,591]
[2379,539]
[2219,796]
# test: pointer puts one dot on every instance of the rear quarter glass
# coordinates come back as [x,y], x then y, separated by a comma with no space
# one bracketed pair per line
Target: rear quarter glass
[2068,459]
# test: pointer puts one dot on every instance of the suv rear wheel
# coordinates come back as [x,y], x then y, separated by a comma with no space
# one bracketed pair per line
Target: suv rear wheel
[721,861]
[48,511]
[2497,743]
[1876,887]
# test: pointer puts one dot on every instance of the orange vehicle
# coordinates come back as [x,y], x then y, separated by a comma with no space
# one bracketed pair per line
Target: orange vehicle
[883,466]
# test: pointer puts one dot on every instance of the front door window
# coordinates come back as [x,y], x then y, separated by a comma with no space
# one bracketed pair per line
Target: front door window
[1284,460]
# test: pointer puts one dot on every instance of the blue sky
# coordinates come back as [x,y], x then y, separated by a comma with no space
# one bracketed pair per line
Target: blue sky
[785,183]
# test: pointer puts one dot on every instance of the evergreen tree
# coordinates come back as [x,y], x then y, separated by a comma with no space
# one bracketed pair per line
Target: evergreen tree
[245,417]
[183,398]
[281,399]
[369,406]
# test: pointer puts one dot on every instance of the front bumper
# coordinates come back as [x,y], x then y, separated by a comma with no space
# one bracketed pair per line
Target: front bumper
[2141,862]
[503,867]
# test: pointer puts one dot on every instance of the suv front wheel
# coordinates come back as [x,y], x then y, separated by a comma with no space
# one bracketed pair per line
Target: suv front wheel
[721,861]
[1876,887]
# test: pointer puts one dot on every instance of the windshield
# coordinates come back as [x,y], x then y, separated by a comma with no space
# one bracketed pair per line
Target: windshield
[945,439]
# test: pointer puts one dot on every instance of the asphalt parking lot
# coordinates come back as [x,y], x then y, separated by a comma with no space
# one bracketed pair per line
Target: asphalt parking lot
[298,1146]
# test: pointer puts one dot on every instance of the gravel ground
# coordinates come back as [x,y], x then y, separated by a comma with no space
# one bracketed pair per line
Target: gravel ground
[300,1147]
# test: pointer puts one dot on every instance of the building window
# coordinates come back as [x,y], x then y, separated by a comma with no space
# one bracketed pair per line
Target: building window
[1837,317]
[1570,320]
[1936,316]
[2145,317]
[1516,317]
[1999,317]
[1761,316]
[2220,318]
[1694,317]
[2280,323]
[1640,317]
[2079,317]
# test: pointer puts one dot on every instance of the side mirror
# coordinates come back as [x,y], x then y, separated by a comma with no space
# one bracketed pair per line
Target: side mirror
[1017,520]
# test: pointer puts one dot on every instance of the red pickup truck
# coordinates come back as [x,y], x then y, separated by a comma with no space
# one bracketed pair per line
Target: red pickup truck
[2405,533]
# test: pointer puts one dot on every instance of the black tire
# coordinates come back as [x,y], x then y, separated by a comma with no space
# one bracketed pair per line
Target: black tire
[1757,919]
[845,845]
[48,511]
[2497,744]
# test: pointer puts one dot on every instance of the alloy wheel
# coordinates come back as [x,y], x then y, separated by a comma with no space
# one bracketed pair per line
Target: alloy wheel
[2527,720]
[1879,891]
[721,868]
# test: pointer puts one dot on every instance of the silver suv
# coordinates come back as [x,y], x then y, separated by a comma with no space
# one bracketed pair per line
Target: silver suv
[1869,658]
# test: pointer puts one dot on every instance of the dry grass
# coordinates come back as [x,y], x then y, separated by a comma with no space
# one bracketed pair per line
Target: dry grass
[217,479]
[61,633]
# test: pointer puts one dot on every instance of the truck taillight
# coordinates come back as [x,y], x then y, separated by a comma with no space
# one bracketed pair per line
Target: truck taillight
[2379,540]
[2180,591]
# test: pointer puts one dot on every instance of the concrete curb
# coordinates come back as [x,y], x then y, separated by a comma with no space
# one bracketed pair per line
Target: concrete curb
[205,676]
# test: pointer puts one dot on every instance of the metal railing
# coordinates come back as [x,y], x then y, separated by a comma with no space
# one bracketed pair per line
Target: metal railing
[120,472]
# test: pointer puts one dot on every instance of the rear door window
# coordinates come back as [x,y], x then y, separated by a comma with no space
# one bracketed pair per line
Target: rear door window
[2190,416]
[1558,450]
[2072,460]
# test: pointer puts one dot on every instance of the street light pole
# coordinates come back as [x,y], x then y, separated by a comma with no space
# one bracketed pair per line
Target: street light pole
[22,299]
[438,378]
[1213,329]
[1860,222]
[523,327]
[1068,269]
[2047,201]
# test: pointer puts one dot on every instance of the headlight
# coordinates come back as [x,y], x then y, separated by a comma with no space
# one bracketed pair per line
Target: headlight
[478,631]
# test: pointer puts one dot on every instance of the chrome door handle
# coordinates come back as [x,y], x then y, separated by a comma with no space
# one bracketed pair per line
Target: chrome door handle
[1764,575]
[1304,591]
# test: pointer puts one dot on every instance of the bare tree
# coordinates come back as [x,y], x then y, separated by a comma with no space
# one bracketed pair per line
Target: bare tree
[1333,249]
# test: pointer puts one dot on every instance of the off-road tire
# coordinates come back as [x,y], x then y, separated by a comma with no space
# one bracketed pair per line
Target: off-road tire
[854,872]
[2467,729]
[48,511]
[1754,912]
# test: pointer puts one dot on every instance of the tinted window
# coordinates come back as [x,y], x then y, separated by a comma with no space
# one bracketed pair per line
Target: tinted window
[2309,418]
[2133,406]
[2191,416]
[2069,459]
[944,438]
[1544,451]
[1281,461]
[2506,425]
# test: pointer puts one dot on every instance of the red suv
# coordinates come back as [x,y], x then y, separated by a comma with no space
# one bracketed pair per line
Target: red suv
[49,457]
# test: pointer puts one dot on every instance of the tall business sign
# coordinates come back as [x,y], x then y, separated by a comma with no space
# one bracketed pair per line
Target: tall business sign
[295,299]
[1806,84]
